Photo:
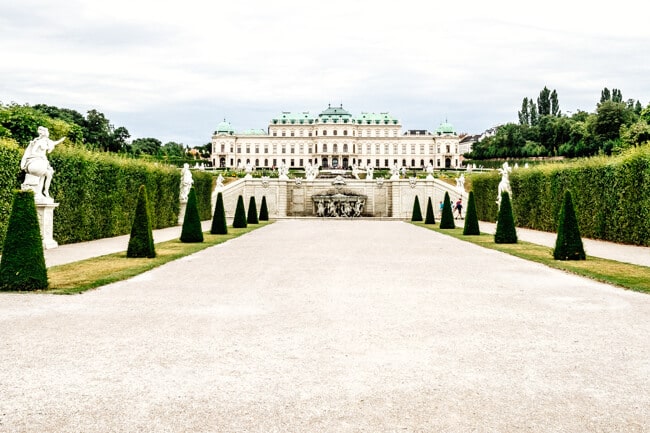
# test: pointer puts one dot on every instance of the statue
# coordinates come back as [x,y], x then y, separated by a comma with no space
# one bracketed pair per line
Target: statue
[394,171]
[504,185]
[248,170]
[220,181]
[186,182]
[283,171]
[369,172]
[310,171]
[355,171]
[38,171]
[429,170]
[460,183]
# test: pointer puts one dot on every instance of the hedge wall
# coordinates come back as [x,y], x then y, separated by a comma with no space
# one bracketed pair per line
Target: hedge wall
[97,192]
[611,196]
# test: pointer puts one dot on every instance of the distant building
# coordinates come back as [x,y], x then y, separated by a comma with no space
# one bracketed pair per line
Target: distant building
[335,139]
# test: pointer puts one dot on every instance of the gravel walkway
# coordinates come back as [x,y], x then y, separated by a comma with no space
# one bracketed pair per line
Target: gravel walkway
[330,326]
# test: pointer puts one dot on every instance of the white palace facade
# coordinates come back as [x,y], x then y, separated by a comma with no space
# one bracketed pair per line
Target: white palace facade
[335,139]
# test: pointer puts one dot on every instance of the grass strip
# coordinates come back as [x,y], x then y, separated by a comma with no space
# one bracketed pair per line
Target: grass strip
[77,277]
[626,275]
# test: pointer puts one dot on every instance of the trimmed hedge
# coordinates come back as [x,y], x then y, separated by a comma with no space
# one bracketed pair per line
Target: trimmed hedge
[141,240]
[611,196]
[471,227]
[505,233]
[252,211]
[447,218]
[417,212]
[430,218]
[191,232]
[568,244]
[264,211]
[239,221]
[219,225]
[97,192]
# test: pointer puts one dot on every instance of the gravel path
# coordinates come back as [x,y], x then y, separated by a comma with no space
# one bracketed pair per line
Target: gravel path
[330,326]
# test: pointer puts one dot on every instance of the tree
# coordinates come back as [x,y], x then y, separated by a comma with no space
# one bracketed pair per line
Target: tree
[532,111]
[148,146]
[192,232]
[219,225]
[252,212]
[610,116]
[117,141]
[524,115]
[568,244]
[506,232]
[98,131]
[264,211]
[240,214]
[417,213]
[544,102]
[173,149]
[555,104]
[617,95]
[141,240]
[430,218]
[605,95]
[22,265]
[447,218]
[471,218]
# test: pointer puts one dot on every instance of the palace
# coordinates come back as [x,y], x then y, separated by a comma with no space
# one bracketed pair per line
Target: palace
[335,139]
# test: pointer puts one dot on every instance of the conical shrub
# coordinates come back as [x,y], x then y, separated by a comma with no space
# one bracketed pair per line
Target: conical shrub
[141,240]
[239,222]
[264,211]
[447,218]
[252,211]
[430,218]
[471,218]
[219,225]
[506,232]
[568,244]
[417,212]
[192,232]
[22,266]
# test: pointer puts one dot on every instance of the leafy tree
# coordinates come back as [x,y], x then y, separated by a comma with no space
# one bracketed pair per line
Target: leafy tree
[605,95]
[22,265]
[532,111]
[252,212]
[141,240]
[471,218]
[240,214]
[118,138]
[264,211]
[98,131]
[192,232]
[610,116]
[617,96]
[447,218]
[430,218]
[417,212]
[568,244]
[173,149]
[148,146]
[555,104]
[524,115]
[544,102]
[21,122]
[506,232]
[219,225]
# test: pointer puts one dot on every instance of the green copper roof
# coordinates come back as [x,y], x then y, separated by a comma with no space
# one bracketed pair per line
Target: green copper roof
[334,113]
[253,132]
[290,118]
[446,129]
[224,128]
[376,119]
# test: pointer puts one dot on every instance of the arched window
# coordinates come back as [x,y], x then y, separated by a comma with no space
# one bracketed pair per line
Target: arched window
[345,147]
[324,147]
[266,162]
[335,148]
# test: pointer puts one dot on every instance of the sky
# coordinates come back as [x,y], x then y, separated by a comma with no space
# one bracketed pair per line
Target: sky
[174,70]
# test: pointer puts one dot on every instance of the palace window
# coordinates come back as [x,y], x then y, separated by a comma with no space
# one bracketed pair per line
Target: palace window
[238,149]
[403,148]
[266,149]
[293,149]
[284,149]
[300,162]
[257,148]
[324,147]
[284,134]
[324,132]
[345,132]
[345,147]
[292,164]
[386,149]
[248,149]
[223,148]
[335,132]
[335,148]
[275,134]
[385,163]
[257,162]
[292,133]
[412,149]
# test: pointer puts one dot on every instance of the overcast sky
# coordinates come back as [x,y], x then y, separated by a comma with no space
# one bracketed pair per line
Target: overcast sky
[174,70]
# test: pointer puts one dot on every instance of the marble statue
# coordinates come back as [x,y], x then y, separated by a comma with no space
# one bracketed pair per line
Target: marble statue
[38,171]
[370,172]
[220,181]
[429,170]
[460,183]
[283,171]
[249,170]
[310,171]
[186,182]
[394,172]
[504,185]
[355,171]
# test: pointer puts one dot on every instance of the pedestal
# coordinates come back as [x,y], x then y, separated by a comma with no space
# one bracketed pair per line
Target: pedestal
[45,212]
[181,213]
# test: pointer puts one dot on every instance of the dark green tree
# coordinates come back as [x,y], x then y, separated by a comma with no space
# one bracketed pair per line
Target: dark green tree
[605,95]
[544,102]
[568,244]
[555,104]
[264,211]
[417,212]
[252,212]
[430,218]
[506,233]
[447,218]
[219,225]
[141,240]
[471,218]
[524,115]
[239,222]
[22,266]
[192,230]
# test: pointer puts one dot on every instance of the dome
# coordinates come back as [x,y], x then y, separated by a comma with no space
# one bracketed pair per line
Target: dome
[224,128]
[446,129]
[334,113]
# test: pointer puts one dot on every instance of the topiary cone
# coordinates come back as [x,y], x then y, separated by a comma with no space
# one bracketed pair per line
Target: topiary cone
[22,266]
[447,218]
[141,240]
[568,244]
[252,211]
[417,213]
[506,232]
[471,218]
[192,232]
[430,218]
[219,225]
[239,222]
[264,211]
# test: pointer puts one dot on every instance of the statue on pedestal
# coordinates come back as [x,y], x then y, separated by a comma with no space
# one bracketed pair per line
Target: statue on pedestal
[504,185]
[38,171]
[186,182]
[429,171]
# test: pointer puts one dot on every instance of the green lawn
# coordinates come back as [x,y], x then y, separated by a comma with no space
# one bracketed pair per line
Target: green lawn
[628,276]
